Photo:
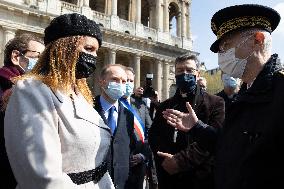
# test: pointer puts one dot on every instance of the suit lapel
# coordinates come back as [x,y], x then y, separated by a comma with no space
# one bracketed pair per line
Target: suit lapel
[99,109]
[125,119]
[82,109]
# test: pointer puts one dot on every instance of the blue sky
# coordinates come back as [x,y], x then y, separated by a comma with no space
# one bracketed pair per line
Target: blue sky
[203,37]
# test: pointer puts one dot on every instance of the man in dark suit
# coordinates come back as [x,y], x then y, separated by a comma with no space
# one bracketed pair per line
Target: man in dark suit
[141,153]
[230,91]
[119,119]
[177,155]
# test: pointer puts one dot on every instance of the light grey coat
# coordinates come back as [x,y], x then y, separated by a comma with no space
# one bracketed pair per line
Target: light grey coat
[48,135]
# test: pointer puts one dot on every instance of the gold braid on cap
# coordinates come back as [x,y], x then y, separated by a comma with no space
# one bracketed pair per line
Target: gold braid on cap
[246,21]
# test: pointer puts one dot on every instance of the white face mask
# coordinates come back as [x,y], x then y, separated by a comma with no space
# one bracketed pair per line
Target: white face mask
[231,65]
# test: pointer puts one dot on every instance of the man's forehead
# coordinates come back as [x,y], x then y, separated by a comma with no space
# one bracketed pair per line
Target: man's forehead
[187,64]
[35,45]
[117,71]
[236,36]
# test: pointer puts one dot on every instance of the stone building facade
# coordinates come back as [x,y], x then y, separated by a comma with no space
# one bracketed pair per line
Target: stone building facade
[144,34]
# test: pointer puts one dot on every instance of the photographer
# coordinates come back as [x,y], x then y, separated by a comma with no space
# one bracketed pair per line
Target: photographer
[148,91]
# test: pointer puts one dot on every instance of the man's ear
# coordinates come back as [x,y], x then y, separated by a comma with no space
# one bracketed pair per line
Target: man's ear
[15,57]
[197,75]
[259,38]
[101,82]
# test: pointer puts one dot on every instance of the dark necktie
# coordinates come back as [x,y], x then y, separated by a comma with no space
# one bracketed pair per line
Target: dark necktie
[111,120]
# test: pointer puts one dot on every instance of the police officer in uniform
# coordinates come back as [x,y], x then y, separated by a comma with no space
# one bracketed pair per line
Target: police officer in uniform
[249,148]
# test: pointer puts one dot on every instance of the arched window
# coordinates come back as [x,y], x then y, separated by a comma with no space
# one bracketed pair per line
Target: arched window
[174,16]
[145,13]
[98,5]
[123,9]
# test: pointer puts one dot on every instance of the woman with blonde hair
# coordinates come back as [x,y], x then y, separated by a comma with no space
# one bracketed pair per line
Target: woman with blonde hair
[54,137]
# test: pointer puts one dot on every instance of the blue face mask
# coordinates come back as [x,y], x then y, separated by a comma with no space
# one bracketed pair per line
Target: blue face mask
[229,81]
[31,64]
[115,90]
[186,82]
[129,88]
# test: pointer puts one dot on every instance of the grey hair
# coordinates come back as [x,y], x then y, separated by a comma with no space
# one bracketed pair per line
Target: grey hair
[183,58]
[267,45]
[130,69]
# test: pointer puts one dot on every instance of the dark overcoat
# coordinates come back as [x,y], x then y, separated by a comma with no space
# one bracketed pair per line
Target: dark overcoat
[122,144]
[250,149]
[195,173]
[6,75]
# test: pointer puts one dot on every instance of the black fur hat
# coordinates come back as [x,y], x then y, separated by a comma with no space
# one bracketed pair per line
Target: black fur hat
[70,25]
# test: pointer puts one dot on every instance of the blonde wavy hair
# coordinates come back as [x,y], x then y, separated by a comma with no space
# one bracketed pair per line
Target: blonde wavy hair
[56,67]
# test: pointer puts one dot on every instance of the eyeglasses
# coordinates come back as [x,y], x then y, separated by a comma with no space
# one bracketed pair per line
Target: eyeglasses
[28,50]
[187,70]
[225,45]
[191,70]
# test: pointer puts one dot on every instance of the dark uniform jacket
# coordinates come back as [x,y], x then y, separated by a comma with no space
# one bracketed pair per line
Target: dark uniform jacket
[250,150]
[195,172]
[228,101]
[122,144]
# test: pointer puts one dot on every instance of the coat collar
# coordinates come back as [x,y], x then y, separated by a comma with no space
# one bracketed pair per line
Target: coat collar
[8,72]
[80,106]
[260,91]
[191,98]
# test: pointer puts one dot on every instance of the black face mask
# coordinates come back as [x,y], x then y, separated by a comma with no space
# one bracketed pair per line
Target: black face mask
[86,65]
[186,82]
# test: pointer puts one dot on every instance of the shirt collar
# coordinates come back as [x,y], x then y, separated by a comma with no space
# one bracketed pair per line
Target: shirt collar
[106,105]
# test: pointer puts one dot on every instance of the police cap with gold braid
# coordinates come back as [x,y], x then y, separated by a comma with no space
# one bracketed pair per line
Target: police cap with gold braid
[239,17]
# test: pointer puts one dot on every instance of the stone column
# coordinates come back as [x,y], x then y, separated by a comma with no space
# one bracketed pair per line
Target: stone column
[165,90]
[188,6]
[7,35]
[178,24]
[158,77]
[53,7]
[112,56]
[136,67]
[183,19]
[166,16]
[86,3]
[138,11]
[108,7]
[86,9]
[159,16]
[106,57]
[114,7]
[80,3]
[152,18]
